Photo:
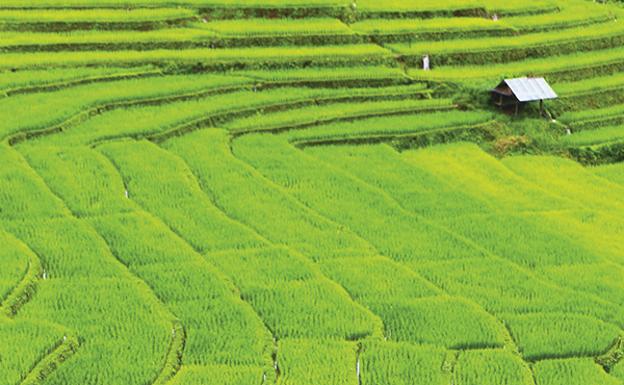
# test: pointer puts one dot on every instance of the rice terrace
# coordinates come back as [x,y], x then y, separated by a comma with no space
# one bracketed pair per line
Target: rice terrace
[311,192]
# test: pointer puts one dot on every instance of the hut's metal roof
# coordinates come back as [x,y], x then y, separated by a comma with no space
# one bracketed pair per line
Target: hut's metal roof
[531,89]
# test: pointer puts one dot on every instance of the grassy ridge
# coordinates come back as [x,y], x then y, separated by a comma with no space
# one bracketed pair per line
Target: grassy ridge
[243,58]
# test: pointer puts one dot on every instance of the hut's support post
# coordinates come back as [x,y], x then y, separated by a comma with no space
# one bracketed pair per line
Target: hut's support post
[517,107]
[542,107]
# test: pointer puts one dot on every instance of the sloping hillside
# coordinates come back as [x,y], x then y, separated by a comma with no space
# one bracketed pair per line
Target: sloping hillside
[244,192]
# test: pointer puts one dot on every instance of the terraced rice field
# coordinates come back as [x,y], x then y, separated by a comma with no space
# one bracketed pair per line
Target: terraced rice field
[258,192]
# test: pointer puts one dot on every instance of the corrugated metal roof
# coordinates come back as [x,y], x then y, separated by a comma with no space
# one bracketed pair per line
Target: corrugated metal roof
[531,89]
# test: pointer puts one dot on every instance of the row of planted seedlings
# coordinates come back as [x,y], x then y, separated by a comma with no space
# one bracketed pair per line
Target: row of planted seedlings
[82,104]
[187,112]
[81,282]
[213,326]
[237,10]
[504,49]
[563,327]
[597,335]
[271,32]
[72,19]
[214,34]
[325,182]
[372,166]
[406,30]
[288,285]
[209,60]
[33,81]
[418,129]
[559,68]
[32,348]
[591,109]
[597,129]
[397,326]
[346,272]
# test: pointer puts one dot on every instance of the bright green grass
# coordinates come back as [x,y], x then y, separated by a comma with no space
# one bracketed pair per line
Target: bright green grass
[591,229]
[349,201]
[465,25]
[422,319]
[589,85]
[377,279]
[568,178]
[165,3]
[265,267]
[284,27]
[369,73]
[366,5]
[430,5]
[205,34]
[201,296]
[391,126]
[488,76]
[208,155]
[91,15]
[14,81]
[43,40]
[495,44]
[577,371]
[317,362]
[214,254]
[500,286]
[614,173]
[443,321]
[618,372]
[22,193]
[491,367]
[155,177]
[104,306]
[598,136]
[141,242]
[218,375]
[151,120]
[574,243]
[100,309]
[572,13]
[252,57]
[15,265]
[567,335]
[483,177]
[530,240]
[102,303]
[596,114]
[601,279]
[87,182]
[287,290]
[400,363]
[49,108]
[24,344]
[316,115]
[421,190]
[312,309]
[201,216]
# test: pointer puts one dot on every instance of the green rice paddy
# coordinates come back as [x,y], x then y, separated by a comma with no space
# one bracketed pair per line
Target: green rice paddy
[264,192]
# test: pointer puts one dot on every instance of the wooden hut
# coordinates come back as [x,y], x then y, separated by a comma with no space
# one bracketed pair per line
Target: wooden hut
[512,93]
